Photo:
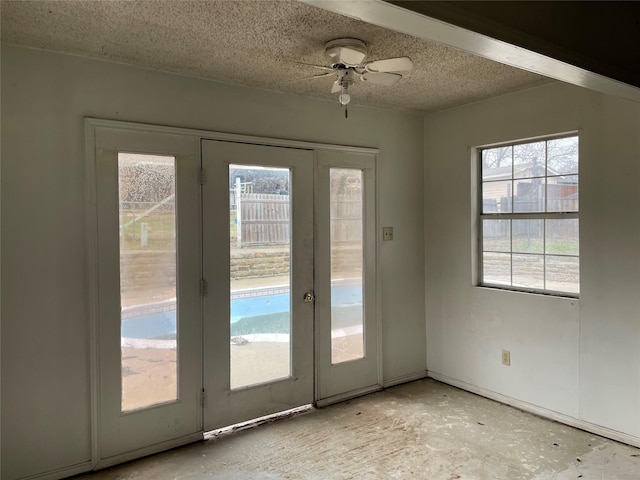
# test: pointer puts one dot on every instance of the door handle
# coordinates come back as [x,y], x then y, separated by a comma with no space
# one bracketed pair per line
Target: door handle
[309,297]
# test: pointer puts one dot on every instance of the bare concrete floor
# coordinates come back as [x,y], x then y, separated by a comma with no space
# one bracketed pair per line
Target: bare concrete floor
[420,430]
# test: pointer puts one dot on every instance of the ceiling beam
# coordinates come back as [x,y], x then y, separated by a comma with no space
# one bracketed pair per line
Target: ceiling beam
[400,19]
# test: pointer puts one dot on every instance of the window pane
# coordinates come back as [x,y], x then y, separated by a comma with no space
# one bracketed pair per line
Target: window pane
[563,274]
[528,236]
[563,237]
[496,235]
[562,194]
[496,268]
[347,313]
[562,156]
[496,197]
[529,195]
[496,164]
[147,279]
[528,271]
[529,160]
[260,282]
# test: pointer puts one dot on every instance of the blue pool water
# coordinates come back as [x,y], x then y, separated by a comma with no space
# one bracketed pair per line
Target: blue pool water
[156,325]
[245,306]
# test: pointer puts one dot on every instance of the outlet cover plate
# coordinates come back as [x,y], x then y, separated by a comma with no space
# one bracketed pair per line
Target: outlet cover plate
[506,358]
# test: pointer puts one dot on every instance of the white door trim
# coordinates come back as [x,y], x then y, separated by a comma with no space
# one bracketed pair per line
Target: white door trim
[230,137]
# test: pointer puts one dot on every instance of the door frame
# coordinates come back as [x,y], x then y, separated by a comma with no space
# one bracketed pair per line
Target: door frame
[91,127]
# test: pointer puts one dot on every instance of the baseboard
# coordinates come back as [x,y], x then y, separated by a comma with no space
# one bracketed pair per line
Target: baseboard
[410,377]
[347,396]
[61,472]
[405,378]
[143,452]
[540,411]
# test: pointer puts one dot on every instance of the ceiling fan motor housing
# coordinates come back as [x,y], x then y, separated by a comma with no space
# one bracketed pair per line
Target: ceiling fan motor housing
[350,52]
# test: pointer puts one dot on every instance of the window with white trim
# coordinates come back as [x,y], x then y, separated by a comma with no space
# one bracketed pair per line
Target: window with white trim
[529,231]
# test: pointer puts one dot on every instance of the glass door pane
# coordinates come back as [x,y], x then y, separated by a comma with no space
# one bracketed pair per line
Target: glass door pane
[260,279]
[147,224]
[347,314]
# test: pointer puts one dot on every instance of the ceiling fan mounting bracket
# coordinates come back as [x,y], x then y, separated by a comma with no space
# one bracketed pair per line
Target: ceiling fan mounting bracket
[349,52]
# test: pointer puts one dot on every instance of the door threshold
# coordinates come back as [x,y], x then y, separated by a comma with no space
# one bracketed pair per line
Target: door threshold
[238,427]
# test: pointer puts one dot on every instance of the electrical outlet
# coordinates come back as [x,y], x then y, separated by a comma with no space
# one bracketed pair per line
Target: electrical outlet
[506,358]
[387,233]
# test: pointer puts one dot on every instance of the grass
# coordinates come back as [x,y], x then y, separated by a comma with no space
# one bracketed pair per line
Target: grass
[161,230]
[558,247]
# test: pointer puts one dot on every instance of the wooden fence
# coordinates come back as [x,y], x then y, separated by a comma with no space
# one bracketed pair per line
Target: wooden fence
[263,219]
[345,215]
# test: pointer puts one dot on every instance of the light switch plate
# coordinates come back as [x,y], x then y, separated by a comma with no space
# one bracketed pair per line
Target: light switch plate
[387,233]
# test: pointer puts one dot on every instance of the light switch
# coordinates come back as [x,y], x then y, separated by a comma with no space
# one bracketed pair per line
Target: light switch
[387,233]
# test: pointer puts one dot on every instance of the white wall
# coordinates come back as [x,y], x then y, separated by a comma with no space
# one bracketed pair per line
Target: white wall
[579,358]
[45,331]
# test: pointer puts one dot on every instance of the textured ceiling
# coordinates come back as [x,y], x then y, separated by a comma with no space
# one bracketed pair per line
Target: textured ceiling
[254,43]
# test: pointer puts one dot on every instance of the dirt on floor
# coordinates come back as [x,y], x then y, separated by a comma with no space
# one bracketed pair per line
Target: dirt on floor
[422,430]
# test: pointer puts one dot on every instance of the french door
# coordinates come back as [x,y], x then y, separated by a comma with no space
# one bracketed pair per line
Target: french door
[258,264]
[232,280]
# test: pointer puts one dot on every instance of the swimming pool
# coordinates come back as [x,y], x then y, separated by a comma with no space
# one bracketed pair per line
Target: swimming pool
[253,311]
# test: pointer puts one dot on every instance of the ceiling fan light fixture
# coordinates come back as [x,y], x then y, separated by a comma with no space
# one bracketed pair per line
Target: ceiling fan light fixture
[344,98]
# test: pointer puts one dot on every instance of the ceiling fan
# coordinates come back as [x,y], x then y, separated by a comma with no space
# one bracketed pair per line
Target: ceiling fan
[347,57]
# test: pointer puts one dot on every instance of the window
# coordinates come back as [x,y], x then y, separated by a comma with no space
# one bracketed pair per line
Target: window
[529,216]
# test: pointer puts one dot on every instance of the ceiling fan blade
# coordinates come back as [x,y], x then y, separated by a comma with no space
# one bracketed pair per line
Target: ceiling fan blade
[321,67]
[321,75]
[399,64]
[336,87]
[382,78]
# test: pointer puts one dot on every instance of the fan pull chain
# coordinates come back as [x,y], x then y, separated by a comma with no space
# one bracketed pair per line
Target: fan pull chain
[346,112]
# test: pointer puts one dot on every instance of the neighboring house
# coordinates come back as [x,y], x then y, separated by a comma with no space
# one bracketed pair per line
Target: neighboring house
[528,193]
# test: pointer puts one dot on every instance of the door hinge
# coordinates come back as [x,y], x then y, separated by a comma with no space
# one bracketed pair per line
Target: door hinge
[202,176]
[204,286]
[203,397]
